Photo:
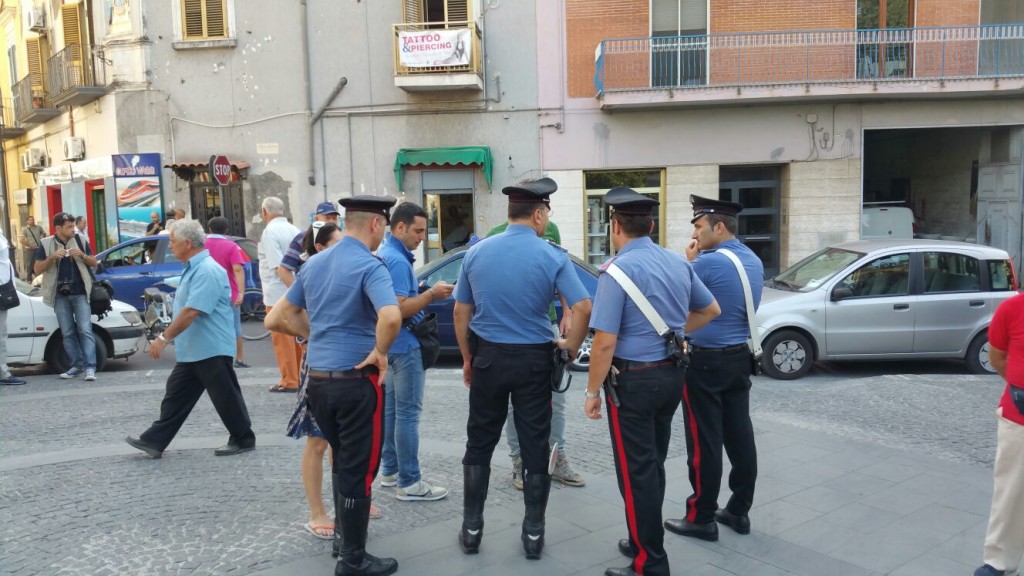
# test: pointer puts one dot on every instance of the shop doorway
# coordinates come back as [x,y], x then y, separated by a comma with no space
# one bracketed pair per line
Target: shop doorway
[448,202]
[757,188]
[98,221]
[210,200]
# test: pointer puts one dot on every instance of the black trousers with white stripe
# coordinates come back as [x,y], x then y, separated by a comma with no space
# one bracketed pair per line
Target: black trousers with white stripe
[641,427]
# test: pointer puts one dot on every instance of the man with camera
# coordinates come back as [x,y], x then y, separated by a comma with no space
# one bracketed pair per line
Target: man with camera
[64,263]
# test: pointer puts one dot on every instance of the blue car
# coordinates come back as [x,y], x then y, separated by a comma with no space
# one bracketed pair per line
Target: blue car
[447,268]
[137,264]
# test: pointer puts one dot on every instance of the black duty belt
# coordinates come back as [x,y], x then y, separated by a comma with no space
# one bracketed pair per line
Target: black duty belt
[343,374]
[632,365]
[725,349]
[545,346]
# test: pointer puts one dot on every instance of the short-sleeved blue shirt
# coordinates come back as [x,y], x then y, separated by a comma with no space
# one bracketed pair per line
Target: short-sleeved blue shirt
[670,285]
[204,287]
[511,279]
[399,261]
[719,274]
[342,288]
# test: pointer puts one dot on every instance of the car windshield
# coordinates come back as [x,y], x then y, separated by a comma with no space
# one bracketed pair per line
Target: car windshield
[812,271]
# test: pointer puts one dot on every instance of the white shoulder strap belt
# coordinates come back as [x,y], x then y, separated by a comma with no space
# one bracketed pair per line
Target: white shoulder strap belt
[755,337]
[639,299]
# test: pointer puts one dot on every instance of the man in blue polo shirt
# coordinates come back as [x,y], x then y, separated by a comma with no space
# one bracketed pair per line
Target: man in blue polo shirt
[406,378]
[343,303]
[204,337]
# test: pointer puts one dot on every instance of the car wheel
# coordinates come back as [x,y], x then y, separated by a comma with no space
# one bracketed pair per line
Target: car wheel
[977,355]
[787,355]
[582,361]
[56,357]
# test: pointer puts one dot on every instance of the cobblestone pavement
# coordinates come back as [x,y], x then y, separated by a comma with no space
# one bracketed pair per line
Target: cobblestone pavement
[74,499]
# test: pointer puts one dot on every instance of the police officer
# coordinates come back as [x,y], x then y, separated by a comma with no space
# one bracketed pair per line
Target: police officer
[344,303]
[501,321]
[716,398]
[649,380]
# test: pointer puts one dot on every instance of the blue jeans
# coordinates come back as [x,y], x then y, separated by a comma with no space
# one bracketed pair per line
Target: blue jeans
[403,405]
[74,315]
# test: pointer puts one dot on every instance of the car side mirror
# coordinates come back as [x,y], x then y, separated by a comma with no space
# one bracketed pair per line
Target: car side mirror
[841,293]
[100,269]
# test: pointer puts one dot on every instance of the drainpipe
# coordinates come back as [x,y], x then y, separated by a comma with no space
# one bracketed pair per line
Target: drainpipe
[311,174]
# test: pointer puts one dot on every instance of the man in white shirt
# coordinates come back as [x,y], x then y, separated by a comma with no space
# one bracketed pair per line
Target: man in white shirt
[273,245]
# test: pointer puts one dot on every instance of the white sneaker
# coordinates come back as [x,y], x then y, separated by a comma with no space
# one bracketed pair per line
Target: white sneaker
[389,481]
[90,375]
[421,490]
[72,372]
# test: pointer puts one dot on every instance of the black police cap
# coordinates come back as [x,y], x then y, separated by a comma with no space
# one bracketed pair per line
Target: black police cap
[372,204]
[629,202]
[705,206]
[531,192]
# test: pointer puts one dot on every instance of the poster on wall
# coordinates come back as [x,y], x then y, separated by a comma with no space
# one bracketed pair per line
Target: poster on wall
[119,17]
[429,48]
[139,193]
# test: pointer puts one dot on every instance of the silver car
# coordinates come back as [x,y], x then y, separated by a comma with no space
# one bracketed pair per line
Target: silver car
[884,300]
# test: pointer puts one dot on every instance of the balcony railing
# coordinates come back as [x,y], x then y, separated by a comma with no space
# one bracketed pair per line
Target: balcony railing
[32,105]
[73,78]
[810,57]
[9,124]
[453,48]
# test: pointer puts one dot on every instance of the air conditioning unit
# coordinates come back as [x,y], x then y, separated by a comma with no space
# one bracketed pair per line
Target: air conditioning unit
[74,148]
[33,160]
[35,20]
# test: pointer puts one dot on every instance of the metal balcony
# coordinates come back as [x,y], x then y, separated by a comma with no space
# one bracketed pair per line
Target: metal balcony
[958,61]
[461,69]
[32,104]
[9,127]
[72,76]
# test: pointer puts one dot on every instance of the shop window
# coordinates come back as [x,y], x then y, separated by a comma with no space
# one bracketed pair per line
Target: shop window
[597,232]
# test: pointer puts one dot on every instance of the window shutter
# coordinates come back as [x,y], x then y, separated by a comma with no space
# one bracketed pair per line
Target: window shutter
[664,17]
[412,11]
[694,15]
[35,63]
[456,10]
[216,21]
[71,22]
[192,16]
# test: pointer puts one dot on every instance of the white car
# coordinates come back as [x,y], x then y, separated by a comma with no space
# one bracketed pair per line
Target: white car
[33,336]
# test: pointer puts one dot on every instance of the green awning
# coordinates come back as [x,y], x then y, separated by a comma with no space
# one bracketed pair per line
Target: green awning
[455,156]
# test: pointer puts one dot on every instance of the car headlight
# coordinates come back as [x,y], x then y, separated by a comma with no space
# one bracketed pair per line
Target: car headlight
[132,317]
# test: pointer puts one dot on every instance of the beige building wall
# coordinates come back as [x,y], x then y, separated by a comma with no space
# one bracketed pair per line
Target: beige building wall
[680,183]
[821,205]
[567,209]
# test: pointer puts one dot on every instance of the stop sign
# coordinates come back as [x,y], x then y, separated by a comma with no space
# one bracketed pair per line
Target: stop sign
[220,170]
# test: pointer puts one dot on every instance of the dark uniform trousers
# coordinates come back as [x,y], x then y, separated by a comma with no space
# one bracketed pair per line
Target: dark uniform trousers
[185,387]
[522,371]
[716,411]
[350,412]
[641,427]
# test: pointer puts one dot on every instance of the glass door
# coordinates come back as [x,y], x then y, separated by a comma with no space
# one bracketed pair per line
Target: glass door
[760,220]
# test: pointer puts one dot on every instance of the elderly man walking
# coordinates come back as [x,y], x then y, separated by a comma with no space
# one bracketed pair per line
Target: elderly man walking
[273,246]
[203,332]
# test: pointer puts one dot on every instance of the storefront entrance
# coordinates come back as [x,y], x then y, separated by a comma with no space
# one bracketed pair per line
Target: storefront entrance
[757,189]
[448,202]
[207,200]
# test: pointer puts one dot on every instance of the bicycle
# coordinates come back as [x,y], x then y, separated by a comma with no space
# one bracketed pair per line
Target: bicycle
[159,307]
[253,313]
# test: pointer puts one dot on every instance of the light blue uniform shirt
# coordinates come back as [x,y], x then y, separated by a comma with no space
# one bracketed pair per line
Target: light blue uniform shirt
[399,261]
[342,288]
[511,279]
[719,274]
[204,287]
[670,285]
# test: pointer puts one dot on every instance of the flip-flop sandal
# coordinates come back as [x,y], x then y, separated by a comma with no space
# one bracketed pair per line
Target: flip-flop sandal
[279,388]
[375,512]
[314,531]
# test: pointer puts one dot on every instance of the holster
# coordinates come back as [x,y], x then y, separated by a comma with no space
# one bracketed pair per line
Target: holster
[559,362]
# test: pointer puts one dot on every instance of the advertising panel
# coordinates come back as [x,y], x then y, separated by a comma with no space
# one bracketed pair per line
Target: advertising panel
[137,179]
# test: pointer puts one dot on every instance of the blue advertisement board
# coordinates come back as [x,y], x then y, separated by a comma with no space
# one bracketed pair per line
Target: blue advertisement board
[137,179]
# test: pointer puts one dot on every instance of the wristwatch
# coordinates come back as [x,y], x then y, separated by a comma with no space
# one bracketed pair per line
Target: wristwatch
[161,338]
[590,394]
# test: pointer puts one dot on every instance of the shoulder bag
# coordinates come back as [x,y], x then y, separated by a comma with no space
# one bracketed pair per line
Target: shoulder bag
[102,292]
[754,342]
[430,341]
[8,293]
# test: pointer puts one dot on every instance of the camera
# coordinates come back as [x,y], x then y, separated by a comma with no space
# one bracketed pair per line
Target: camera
[64,287]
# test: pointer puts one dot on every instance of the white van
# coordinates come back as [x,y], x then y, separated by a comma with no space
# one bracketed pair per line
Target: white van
[886,222]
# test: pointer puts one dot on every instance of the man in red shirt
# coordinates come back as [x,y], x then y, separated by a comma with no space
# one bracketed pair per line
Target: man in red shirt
[225,252]
[1004,541]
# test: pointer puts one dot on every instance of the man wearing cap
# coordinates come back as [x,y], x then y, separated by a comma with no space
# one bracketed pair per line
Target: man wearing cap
[716,398]
[502,296]
[647,367]
[273,245]
[344,304]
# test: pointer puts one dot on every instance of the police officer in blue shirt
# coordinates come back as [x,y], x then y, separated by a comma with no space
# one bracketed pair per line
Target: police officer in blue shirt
[343,302]
[646,368]
[717,394]
[501,321]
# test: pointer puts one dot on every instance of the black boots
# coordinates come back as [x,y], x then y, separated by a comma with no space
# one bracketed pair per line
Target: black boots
[475,481]
[353,514]
[536,490]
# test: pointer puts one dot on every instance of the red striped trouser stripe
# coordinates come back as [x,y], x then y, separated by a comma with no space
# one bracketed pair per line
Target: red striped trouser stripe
[627,490]
[691,502]
[371,469]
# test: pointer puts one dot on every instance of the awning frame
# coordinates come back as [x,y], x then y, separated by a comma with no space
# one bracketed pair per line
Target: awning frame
[450,156]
